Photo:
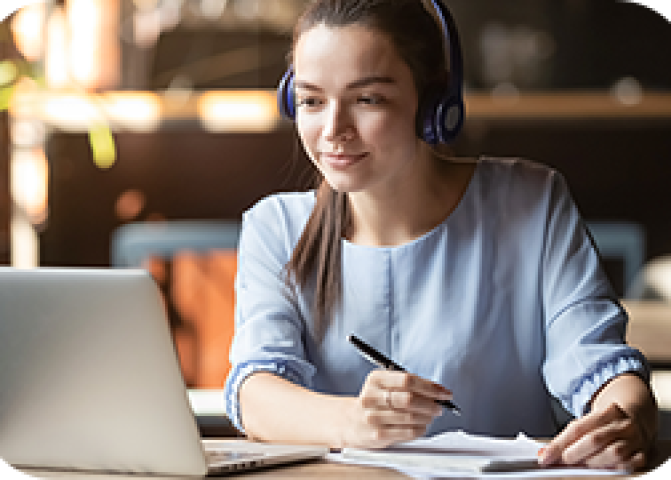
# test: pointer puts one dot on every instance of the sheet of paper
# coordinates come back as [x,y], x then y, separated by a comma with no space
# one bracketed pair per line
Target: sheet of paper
[459,454]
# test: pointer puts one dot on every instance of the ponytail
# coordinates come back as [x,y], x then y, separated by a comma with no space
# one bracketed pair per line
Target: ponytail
[317,255]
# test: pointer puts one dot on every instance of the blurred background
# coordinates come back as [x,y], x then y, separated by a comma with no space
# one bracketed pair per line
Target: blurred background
[116,115]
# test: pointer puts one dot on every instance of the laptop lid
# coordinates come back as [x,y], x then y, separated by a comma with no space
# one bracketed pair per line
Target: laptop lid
[91,381]
[90,378]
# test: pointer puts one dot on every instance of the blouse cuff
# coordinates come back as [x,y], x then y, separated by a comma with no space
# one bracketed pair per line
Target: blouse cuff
[240,373]
[578,402]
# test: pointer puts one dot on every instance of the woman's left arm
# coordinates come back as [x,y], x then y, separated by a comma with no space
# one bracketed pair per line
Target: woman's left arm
[617,433]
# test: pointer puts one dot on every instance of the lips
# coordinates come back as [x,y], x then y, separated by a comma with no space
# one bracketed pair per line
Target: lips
[340,160]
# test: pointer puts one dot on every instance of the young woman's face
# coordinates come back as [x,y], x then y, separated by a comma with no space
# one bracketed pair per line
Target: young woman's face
[356,104]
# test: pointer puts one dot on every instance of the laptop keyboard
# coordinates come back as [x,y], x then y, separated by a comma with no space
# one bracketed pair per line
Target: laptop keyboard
[217,457]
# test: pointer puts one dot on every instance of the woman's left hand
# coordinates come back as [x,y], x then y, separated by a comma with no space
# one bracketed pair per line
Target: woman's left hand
[609,439]
[617,434]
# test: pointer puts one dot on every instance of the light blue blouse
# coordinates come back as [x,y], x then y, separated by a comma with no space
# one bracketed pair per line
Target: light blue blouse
[505,303]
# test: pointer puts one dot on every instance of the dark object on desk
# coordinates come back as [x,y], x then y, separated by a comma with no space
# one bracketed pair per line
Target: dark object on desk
[216,426]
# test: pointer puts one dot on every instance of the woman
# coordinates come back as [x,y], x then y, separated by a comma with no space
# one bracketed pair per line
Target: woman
[475,275]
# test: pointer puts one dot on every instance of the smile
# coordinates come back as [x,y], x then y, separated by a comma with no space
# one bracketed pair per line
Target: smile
[341,161]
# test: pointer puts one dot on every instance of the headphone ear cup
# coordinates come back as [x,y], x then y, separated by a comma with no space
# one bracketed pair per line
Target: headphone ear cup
[440,116]
[426,113]
[286,102]
[449,118]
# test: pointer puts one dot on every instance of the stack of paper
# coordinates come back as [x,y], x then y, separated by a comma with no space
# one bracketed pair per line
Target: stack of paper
[457,454]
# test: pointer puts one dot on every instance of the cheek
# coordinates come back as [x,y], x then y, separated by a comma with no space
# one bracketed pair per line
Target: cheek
[308,132]
[392,130]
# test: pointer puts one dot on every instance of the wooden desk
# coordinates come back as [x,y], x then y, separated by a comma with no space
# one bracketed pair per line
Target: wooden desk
[650,329]
[322,470]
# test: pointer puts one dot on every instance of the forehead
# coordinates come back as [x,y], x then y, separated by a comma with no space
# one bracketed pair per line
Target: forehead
[346,53]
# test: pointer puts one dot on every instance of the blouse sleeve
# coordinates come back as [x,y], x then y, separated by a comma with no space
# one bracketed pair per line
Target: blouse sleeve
[584,321]
[268,324]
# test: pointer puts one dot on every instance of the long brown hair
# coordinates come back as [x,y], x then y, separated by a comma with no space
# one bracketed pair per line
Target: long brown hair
[419,42]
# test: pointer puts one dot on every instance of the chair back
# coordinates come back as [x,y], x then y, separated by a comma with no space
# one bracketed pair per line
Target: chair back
[194,263]
[620,241]
[135,242]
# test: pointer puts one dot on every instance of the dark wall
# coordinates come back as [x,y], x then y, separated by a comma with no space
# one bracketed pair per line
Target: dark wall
[559,44]
[590,44]
[181,175]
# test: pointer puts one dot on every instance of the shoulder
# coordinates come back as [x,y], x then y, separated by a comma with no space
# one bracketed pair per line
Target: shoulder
[518,178]
[294,206]
[518,170]
[519,190]
[280,216]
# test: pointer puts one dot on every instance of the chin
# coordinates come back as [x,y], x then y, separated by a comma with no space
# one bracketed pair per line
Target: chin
[344,186]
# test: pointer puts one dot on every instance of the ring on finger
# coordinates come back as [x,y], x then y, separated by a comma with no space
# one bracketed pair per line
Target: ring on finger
[387,396]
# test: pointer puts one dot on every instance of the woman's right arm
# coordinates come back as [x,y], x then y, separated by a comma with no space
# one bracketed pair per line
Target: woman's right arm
[268,392]
[391,407]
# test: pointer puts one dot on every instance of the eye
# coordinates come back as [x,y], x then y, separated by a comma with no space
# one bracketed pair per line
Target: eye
[370,99]
[309,102]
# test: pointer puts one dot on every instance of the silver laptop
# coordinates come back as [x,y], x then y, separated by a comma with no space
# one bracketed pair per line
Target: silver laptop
[89,380]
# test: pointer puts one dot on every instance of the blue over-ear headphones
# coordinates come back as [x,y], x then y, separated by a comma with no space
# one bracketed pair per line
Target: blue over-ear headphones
[441,111]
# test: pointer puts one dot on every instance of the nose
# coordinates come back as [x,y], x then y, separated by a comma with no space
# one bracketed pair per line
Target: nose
[338,126]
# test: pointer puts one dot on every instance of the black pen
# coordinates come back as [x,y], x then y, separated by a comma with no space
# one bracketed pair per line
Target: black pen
[379,359]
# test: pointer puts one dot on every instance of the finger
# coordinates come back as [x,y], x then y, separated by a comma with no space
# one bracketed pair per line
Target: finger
[611,443]
[578,428]
[384,436]
[618,455]
[403,381]
[397,402]
[412,402]
[394,418]
[633,463]
[424,387]
[373,394]
[636,463]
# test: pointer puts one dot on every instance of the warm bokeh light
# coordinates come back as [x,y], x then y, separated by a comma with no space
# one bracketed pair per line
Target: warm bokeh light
[140,111]
[24,243]
[56,47]
[243,111]
[94,55]
[27,29]
[29,183]
[26,132]
[72,112]
[129,205]
[81,48]
[75,112]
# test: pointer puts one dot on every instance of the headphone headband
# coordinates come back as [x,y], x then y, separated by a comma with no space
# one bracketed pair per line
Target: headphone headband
[440,114]
[441,111]
[452,44]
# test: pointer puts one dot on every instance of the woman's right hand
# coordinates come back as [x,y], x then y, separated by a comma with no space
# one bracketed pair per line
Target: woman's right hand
[392,407]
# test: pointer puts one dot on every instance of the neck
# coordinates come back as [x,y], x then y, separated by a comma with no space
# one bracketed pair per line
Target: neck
[401,213]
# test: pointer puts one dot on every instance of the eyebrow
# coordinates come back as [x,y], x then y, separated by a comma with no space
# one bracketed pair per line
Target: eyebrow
[363,82]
